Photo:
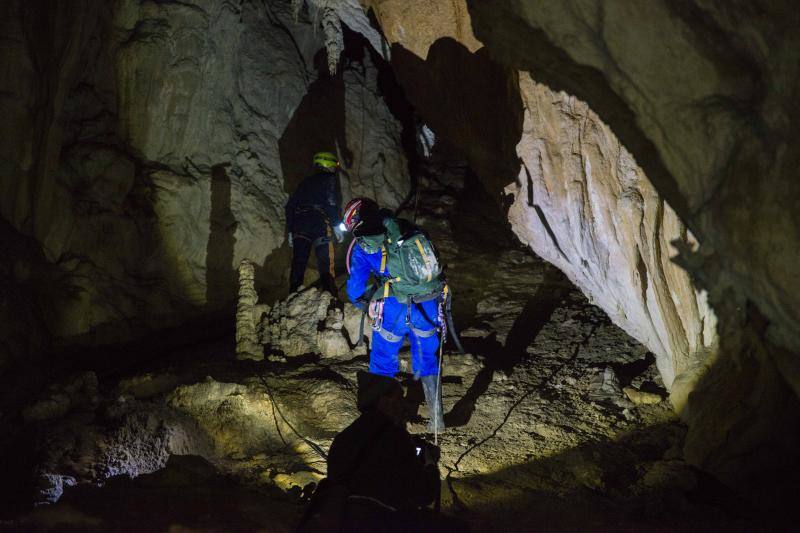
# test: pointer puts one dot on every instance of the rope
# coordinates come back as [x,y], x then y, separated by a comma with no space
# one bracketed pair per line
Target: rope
[438,395]
[313,445]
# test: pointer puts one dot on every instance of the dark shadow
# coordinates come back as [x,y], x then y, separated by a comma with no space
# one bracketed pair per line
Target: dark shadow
[189,493]
[318,124]
[471,100]
[221,282]
[546,495]
[504,357]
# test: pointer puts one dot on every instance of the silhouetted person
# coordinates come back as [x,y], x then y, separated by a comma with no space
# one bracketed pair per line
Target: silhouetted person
[379,477]
[312,218]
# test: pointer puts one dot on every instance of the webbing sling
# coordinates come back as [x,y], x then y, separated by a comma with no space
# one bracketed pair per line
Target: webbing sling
[424,258]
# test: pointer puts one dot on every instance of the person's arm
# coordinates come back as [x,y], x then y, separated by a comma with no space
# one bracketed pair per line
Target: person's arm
[360,271]
[420,480]
[332,200]
[291,205]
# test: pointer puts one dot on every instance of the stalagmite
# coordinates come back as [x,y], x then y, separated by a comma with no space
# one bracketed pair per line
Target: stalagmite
[247,345]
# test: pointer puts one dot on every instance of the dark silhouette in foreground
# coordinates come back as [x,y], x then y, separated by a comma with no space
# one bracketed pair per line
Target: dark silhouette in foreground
[380,478]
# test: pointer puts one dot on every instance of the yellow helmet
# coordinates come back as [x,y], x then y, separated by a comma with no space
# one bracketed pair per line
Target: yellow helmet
[326,160]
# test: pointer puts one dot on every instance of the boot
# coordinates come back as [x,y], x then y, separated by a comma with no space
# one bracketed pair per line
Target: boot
[430,385]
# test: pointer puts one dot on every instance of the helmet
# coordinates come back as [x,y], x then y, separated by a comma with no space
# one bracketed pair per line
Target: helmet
[357,210]
[326,161]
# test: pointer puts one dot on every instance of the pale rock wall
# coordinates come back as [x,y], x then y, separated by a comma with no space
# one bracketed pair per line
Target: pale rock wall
[379,168]
[583,204]
[143,151]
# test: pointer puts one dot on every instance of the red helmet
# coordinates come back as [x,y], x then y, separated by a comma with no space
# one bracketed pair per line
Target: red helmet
[355,210]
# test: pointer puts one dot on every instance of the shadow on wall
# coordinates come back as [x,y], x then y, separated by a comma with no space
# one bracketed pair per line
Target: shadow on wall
[552,66]
[469,99]
[221,277]
[318,124]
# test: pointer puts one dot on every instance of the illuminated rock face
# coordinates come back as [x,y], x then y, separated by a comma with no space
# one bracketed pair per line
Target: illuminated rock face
[583,204]
[144,151]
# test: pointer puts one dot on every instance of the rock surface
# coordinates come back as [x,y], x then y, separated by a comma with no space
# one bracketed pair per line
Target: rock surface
[154,165]
[583,204]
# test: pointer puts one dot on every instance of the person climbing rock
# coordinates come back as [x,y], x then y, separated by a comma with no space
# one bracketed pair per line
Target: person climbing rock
[379,477]
[312,219]
[407,297]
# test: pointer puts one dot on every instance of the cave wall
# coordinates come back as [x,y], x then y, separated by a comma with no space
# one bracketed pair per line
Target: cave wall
[703,93]
[583,204]
[144,152]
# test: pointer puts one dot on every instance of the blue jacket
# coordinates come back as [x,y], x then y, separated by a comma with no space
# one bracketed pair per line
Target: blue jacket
[318,196]
[362,264]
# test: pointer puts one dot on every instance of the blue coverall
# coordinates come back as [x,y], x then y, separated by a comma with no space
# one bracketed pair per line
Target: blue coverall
[386,343]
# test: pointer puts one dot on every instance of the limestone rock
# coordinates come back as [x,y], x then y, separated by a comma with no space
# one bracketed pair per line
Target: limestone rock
[247,342]
[163,167]
[330,340]
[305,323]
[352,325]
[78,391]
[582,203]
[378,168]
[147,385]
[294,323]
[640,397]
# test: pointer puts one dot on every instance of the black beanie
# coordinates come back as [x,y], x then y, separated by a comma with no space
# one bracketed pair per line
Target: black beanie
[372,387]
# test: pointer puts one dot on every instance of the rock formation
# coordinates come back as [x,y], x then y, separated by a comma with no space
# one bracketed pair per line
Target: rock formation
[248,315]
[583,204]
[306,322]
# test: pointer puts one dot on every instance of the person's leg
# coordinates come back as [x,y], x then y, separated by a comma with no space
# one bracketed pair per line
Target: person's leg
[323,249]
[301,250]
[424,357]
[387,341]
[424,337]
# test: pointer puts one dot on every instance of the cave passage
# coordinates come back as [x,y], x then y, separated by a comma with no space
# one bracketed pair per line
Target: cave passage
[622,370]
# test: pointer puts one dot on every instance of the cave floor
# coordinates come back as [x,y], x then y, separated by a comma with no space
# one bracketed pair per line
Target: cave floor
[540,435]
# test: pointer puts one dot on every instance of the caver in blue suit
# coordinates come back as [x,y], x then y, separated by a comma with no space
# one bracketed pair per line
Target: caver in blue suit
[420,324]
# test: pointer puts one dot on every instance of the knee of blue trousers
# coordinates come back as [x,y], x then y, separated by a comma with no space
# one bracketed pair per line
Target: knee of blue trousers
[424,355]
[383,358]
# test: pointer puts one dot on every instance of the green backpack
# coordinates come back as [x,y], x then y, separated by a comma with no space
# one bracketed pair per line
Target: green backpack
[412,261]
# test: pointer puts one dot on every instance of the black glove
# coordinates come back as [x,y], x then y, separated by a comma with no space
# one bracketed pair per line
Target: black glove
[427,452]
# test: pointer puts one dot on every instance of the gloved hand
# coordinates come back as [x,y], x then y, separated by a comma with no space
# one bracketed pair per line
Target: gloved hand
[291,243]
[431,454]
[338,233]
